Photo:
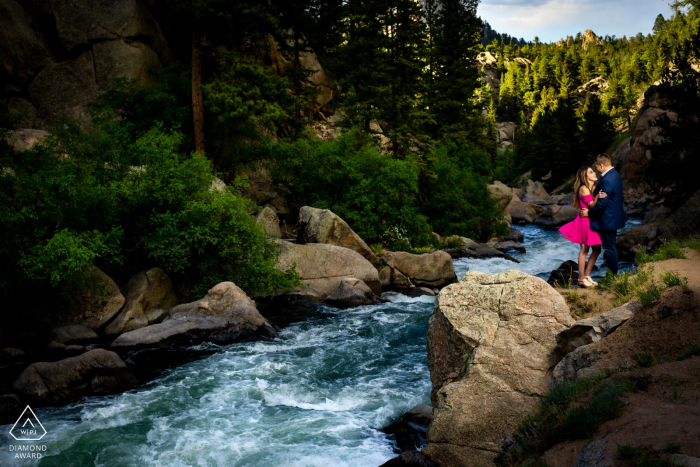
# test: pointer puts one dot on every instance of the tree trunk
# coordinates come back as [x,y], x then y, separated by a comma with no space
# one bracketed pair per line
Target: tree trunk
[197,105]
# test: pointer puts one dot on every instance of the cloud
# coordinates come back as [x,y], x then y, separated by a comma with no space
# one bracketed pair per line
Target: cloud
[552,20]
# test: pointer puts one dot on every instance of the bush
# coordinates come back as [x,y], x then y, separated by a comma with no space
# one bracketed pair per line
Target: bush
[669,251]
[124,204]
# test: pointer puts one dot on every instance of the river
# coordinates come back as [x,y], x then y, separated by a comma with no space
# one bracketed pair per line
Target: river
[317,396]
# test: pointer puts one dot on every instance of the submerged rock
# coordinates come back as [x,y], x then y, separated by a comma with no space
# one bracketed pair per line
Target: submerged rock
[98,372]
[322,267]
[223,316]
[491,348]
[350,293]
[411,428]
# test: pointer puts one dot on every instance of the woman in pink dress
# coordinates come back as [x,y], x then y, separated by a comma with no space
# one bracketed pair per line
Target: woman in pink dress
[579,230]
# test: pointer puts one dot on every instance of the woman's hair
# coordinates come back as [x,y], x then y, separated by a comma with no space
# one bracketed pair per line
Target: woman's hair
[581,180]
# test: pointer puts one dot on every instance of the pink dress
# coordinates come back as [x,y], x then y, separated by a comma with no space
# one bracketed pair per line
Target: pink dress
[579,230]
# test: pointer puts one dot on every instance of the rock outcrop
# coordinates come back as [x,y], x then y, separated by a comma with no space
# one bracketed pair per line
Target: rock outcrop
[149,296]
[597,86]
[491,348]
[589,330]
[351,293]
[270,222]
[505,134]
[555,215]
[523,213]
[95,373]
[411,428]
[433,270]
[685,222]
[72,334]
[322,267]
[323,226]
[644,237]
[97,304]
[501,193]
[223,316]
[534,193]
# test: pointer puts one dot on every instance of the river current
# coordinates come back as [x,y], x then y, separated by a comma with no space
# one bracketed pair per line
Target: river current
[317,396]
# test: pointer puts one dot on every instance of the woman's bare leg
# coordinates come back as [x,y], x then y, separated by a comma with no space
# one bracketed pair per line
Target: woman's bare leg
[591,261]
[582,261]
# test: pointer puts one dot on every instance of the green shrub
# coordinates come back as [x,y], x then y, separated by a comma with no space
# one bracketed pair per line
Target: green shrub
[626,452]
[673,279]
[650,293]
[642,257]
[454,242]
[693,243]
[691,350]
[645,359]
[670,251]
[123,203]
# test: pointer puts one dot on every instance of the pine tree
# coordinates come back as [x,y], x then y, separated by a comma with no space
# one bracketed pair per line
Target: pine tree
[597,132]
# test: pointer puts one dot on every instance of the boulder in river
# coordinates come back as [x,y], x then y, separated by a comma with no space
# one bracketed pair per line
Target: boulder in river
[534,192]
[149,296]
[350,293]
[471,249]
[411,428]
[556,215]
[523,213]
[491,349]
[322,267]
[510,245]
[589,330]
[426,270]
[323,226]
[513,235]
[98,372]
[223,316]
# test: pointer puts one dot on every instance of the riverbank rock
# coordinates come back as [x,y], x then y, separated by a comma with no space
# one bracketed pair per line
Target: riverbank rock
[149,296]
[98,372]
[427,270]
[323,226]
[644,237]
[411,428]
[71,334]
[589,330]
[514,235]
[685,222]
[471,249]
[534,192]
[556,215]
[567,273]
[510,245]
[350,293]
[270,222]
[576,365]
[223,316]
[409,459]
[97,304]
[491,348]
[523,213]
[656,215]
[322,267]
[501,193]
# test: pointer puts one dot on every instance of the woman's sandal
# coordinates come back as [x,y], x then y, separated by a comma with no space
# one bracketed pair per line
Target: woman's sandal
[590,279]
[583,283]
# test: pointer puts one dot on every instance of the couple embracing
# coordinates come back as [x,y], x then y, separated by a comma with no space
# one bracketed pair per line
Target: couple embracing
[602,214]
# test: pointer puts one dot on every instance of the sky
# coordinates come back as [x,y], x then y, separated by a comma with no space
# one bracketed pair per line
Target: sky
[552,20]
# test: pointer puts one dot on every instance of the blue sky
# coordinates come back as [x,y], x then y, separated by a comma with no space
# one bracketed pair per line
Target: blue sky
[552,20]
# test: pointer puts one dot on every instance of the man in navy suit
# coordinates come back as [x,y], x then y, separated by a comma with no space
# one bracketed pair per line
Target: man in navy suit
[608,214]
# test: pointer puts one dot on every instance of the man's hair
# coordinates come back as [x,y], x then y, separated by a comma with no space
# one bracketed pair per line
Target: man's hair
[603,159]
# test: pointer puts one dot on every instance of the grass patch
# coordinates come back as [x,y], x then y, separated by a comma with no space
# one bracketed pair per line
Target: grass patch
[671,250]
[579,304]
[673,279]
[569,411]
[377,248]
[640,286]
[672,448]
[644,457]
[454,242]
[645,359]
[625,452]
[692,350]
[693,243]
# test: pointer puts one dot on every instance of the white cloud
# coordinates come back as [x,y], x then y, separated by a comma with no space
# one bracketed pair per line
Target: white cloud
[552,20]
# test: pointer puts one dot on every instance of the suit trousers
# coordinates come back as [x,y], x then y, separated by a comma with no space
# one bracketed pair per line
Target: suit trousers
[609,239]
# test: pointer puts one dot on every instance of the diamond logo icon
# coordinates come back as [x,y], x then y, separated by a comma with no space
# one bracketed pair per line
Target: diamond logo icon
[28,427]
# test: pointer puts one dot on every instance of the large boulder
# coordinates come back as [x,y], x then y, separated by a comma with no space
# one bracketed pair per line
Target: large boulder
[656,215]
[323,226]
[685,222]
[95,373]
[122,59]
[99,302]
[643,237]
[523,213]
[589,330]
[502,193]
[427,270]
[24,52]
[350,293]
[270,222]
[322,267]
[223,316]
[72,334]
[24,139]
[534,192]
[149,296]
[565,274]
[576,365]
[491,349]
[555,216]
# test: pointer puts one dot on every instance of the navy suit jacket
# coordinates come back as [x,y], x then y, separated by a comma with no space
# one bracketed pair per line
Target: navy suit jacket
[609,213]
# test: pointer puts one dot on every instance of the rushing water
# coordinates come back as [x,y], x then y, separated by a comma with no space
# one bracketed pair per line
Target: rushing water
[316,396]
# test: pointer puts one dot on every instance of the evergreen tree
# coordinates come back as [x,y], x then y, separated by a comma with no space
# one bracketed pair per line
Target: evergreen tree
[597,132]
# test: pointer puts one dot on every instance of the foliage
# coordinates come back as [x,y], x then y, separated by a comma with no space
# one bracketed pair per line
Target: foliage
[645,359]
[580,304]
[671,250]
[569,411]
[124,203]
[673,279]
